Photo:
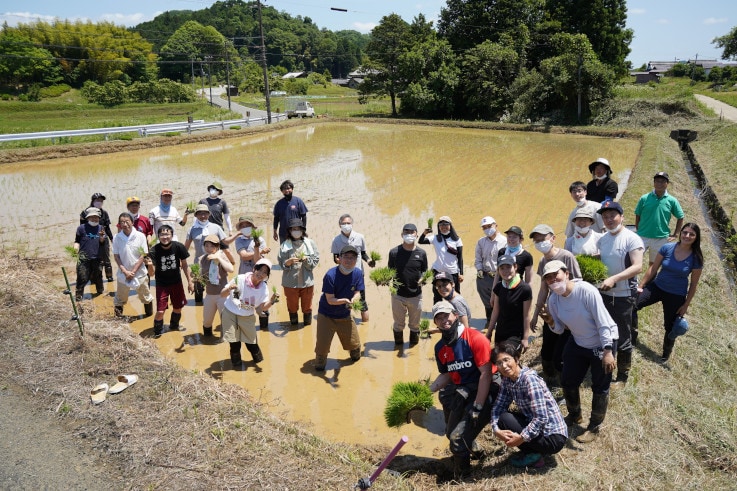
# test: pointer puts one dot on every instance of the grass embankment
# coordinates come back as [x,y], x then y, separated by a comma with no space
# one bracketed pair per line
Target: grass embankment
[671,428]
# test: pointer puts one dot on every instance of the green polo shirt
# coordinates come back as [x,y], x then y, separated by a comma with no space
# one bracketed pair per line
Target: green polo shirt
[655,214]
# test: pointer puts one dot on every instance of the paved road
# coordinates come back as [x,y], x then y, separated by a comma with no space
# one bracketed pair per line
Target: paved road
[237,108]
[723,110]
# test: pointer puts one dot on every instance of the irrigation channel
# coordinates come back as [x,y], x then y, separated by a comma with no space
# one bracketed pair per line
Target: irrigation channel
[385,176]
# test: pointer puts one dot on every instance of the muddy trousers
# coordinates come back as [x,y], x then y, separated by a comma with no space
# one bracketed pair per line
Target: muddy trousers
[89,270]
[460,428]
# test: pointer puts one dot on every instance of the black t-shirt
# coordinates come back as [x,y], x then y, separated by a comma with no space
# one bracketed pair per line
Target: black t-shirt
[510,322]
[88,238]
[218,208]
[597,193]
[523,259]
[168,263]
[409,265]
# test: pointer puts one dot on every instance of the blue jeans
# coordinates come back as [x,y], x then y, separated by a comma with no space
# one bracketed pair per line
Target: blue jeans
[577,361]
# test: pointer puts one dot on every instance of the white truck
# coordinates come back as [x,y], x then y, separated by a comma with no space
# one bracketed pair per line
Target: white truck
[301,109]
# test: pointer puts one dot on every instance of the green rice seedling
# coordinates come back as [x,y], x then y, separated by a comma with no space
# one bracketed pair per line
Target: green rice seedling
[190,206]
[425,328]
[142,251]
[405,397]
[375,256]
[73,253]
[357,305]
[429,222]
[593,269]
[300,255]
[427,276]
[383,276]
[274,294]
[152,242]
[197,275]
[256,235]
[236,291]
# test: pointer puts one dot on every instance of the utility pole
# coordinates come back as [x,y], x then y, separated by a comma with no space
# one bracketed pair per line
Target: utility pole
[191,59]
[227,71]
[580,65]
[209,75]
[263,65]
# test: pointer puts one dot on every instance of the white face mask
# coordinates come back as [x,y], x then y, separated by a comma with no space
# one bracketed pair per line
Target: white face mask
[582,230]
[93,223]
[202,223]
[97,204]
[409,238]
[214,193]
[581,203]
[490,231]
[559,287]
[346,228]
[246,231]
[599,178]
[296,234]
[615,229]
[544,246]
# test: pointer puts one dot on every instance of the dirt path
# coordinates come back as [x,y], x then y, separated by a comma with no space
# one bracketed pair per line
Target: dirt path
[37,451]
[721,109]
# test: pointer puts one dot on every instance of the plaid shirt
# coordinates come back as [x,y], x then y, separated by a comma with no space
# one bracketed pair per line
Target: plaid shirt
[534,401]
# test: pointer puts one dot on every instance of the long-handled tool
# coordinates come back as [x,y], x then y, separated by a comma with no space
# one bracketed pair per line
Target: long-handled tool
[366,482]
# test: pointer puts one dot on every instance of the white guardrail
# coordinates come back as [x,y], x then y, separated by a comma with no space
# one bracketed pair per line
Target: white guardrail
[142,130]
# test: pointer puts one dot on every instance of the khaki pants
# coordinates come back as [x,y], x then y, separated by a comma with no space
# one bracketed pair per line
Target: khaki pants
[403,307]
[345,328]
[123,291]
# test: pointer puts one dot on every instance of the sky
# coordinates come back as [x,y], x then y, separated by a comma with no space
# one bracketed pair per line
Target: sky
[664,30]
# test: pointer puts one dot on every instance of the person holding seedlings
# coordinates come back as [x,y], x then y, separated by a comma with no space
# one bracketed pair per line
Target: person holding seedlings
[287,209]
[584,239]
[463,357]
[410,263]
[341,288]
[551,351]
[170,258]
[601,188]
[219,213]
[88,241]
[512,299]
[215,268]
[536,427]
[443,284]
[97,201]
[247,295]
[487,252]
[667,280]
[449,249]
[348,236]
[130,250]
[197,233]
[166,214]
[578,306]
[298,257]
[653,213]
[621,250]
[578,194]
[140,222]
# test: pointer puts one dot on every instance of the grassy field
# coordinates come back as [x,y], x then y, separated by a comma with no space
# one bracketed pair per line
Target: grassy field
[672,427]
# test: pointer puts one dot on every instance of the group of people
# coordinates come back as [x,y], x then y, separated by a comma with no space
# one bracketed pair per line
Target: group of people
[586,327]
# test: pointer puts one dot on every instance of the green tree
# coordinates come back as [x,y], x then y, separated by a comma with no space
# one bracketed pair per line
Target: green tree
[23,63]
[191,45]
[389,40]
[728,44]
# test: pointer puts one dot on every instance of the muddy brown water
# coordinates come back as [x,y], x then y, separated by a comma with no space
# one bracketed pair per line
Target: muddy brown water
[383,175]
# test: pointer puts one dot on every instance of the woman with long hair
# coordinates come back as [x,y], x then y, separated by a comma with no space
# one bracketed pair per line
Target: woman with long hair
[667,280]
[449,249]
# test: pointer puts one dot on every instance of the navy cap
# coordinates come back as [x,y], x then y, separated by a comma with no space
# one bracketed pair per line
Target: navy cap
[610,205]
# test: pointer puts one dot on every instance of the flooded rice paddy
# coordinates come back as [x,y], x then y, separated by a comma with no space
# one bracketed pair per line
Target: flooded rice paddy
[384,176]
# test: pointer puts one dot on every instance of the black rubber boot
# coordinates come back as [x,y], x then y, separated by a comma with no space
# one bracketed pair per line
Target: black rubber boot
[461,465]
[599,404]
[573,403]
[293,318]
[668,344]
[148,309]
[198,292]
[174,322]
[158,328]
[308,318]
[118,311]
[263,321]
[398,338]
[414,337]
[624,363]
[235,355]
[207,331]
[255,352]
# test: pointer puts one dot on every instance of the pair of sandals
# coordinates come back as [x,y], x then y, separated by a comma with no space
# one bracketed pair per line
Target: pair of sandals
[100,392]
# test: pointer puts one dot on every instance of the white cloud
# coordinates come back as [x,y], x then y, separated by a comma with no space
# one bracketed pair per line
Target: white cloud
[126,19]
[636,11]
[662,21]
[713,20]
[15,18]
[364,27]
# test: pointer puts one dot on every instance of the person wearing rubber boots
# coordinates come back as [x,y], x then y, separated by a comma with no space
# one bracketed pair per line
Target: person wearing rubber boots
[215,268]
[621,251]
[348,236]
[88,241]
[577,305]
[170,259]
[219,212]
[463,357]
[97,201]
[130,250]
[202,228]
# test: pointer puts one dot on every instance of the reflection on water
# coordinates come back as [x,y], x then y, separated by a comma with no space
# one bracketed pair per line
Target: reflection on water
[383,175]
